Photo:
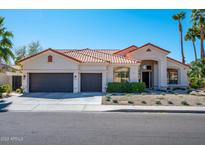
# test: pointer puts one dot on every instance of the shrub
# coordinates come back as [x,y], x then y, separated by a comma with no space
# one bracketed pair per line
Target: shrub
[198,104]
[170,102]
[19,90]
[128,87]
[158,103]
[115,101]
[197,74]
[130,102]
[144,102]
[184,103]
[6,88]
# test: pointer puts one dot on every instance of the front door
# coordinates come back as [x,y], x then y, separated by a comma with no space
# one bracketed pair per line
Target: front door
[16,82]
[146,78]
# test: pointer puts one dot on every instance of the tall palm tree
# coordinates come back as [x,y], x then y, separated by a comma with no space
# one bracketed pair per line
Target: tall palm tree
[5,43]
[179,17]
[191,36]
[198,17]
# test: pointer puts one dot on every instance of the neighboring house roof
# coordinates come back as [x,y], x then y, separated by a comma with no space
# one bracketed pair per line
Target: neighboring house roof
[89,56]
[134,48]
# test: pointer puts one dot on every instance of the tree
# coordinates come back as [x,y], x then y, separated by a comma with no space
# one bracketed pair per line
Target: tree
[197,73]
[198,18]
[191,36]
[20,53]
[5,43]
[34,48]
[179,17]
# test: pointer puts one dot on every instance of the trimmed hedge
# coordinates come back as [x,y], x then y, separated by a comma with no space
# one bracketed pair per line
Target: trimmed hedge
[128,87]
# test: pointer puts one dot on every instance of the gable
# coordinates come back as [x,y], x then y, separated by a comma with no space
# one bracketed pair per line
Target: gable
[148,52]
[40,61]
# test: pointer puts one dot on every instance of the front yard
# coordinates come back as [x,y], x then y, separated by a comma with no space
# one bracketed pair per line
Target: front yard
[163,99]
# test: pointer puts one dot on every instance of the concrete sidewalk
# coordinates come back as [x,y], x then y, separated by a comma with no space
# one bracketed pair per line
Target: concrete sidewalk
[99,108]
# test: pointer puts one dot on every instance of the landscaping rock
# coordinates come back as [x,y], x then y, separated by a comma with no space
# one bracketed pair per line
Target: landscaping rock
[198,93]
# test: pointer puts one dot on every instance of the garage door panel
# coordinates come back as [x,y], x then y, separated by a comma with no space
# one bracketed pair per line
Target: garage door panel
[91,82]
[51,82]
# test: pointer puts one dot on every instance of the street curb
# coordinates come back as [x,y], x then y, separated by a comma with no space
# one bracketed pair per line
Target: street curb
[157,111]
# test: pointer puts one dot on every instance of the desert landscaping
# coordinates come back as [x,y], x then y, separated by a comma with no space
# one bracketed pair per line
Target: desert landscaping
[163,99]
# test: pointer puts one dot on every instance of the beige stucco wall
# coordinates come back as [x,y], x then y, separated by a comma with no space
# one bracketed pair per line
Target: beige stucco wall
[4,79]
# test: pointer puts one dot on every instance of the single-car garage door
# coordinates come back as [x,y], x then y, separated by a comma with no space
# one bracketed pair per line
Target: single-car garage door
[91,82]
[51,82]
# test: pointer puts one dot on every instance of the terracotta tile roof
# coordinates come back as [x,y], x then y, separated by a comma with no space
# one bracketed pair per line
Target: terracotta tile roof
[97,56]
[126,50]
[83,58]
[169,58]
[132,48]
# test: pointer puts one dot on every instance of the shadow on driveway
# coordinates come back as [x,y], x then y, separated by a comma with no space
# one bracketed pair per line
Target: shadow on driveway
[3,105]
[61,95]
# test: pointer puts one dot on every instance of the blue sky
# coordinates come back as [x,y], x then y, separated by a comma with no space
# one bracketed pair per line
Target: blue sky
[106,29]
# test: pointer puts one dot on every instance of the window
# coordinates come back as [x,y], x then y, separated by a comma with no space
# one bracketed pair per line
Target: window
[172,75]
[121,74]
[50,58]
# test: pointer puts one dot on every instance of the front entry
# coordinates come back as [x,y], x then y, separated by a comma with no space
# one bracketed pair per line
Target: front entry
[146,79]
[16,82]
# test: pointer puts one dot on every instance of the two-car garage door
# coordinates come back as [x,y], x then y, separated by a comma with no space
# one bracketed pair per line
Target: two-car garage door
[51,82]
[63,82]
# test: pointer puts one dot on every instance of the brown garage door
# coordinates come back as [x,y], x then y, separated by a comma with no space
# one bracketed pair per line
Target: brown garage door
[51,82]
[91,82]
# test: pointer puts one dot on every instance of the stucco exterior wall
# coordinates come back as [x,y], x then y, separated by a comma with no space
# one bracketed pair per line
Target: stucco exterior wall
[4,79]
[40,62]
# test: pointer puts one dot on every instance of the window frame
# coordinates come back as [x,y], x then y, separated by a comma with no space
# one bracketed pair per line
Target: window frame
[50,59]
[172,82]
[121,78]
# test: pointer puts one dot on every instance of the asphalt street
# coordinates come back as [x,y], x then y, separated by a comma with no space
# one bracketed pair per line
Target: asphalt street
[101,128]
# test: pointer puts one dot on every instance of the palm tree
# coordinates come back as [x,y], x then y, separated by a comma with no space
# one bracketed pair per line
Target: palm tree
[5,43]
[198,17]
[179,17]
[191,36]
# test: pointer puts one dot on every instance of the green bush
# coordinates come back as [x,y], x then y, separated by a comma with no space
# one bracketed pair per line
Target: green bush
[197,74]
[128,87]
[6,88]
[19,90]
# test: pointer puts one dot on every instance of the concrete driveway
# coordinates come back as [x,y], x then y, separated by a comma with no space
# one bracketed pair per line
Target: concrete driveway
[50,101]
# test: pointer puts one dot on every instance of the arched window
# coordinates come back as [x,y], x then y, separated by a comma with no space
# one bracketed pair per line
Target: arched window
[50,58]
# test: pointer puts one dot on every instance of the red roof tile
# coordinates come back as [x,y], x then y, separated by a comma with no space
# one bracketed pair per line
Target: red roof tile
[99,56]
[89,56]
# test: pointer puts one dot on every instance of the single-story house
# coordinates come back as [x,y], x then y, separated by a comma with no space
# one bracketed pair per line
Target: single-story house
[11,75]
[89,70]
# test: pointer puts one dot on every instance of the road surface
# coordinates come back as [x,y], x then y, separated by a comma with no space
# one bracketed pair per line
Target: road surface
[101,128]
